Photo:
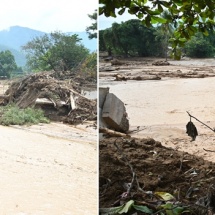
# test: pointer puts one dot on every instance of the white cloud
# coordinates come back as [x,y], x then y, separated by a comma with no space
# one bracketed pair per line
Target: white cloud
[47,15]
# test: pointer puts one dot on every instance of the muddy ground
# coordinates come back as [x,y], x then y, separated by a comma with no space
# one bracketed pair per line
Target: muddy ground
[149,69]
[157,109]
[157,168]
[48,169]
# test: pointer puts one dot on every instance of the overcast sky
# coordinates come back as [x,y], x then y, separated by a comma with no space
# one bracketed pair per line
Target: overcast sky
[47,15]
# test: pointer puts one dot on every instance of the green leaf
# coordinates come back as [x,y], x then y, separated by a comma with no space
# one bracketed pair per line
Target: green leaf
[144,209]
[112,210]
[153,12]
[140,15]
[205,32]
[171,39]
[160,8]
[127,3]
[142,2]
[126,207]
[158,19]
[148,21]
[121,11]
[164,3]
[171,209]
[165,196]
[197,9]
[134,10]
[183,39]
[178,210]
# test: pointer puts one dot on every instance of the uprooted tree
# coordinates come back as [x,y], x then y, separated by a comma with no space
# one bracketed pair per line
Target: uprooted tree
[188,17]
[56,51]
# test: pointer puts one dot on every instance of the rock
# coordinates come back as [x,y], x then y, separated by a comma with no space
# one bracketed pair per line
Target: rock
[114,113]
[103,91]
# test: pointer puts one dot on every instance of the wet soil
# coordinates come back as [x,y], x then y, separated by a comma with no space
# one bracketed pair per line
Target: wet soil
[48,169]
[157,168]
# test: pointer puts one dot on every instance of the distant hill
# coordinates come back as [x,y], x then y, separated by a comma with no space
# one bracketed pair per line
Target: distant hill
[17,36]
[18,55]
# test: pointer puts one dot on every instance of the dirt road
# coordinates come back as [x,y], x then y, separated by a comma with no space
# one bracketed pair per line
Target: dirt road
[45,171]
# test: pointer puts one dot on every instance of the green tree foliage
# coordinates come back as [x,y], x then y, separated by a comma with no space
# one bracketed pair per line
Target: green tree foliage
[199,47]
[188,16]
[89,66]
[7,63]
[55,51]
[130,38]
[92,30]
[163,33]
[102,44]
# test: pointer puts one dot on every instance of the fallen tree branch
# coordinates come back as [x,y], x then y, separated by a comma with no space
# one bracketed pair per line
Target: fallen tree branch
[113,133]
[203,180]
[129,164]
[78,94]
[4,96]
[134,176]
[136,130]
[200,122]
[207,150]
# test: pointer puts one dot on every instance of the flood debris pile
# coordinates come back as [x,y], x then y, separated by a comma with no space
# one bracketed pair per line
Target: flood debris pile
[161,63]
[60,100]
[120,77]
[143,173]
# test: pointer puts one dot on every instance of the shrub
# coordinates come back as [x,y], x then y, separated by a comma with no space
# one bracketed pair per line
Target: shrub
[199,47]
[13,115]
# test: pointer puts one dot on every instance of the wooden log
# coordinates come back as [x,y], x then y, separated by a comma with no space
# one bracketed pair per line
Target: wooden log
[4,96]
[113,133]
[72,101]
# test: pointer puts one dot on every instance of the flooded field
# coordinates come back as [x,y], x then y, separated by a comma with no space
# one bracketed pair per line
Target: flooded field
[159,106]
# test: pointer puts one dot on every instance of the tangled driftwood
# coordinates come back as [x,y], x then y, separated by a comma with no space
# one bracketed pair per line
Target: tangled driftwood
[59,100]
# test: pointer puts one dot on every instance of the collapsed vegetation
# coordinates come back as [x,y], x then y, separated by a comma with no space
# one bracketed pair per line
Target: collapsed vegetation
[13,115]
[60,100]
[69,68]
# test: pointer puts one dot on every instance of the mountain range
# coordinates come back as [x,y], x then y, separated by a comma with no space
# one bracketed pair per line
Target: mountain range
[16,36]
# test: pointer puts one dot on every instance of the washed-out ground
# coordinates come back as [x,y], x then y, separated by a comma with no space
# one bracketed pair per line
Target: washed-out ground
[159,109]
[48,169]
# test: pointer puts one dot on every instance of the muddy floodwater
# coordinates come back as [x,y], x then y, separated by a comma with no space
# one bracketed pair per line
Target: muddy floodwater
[160,107]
